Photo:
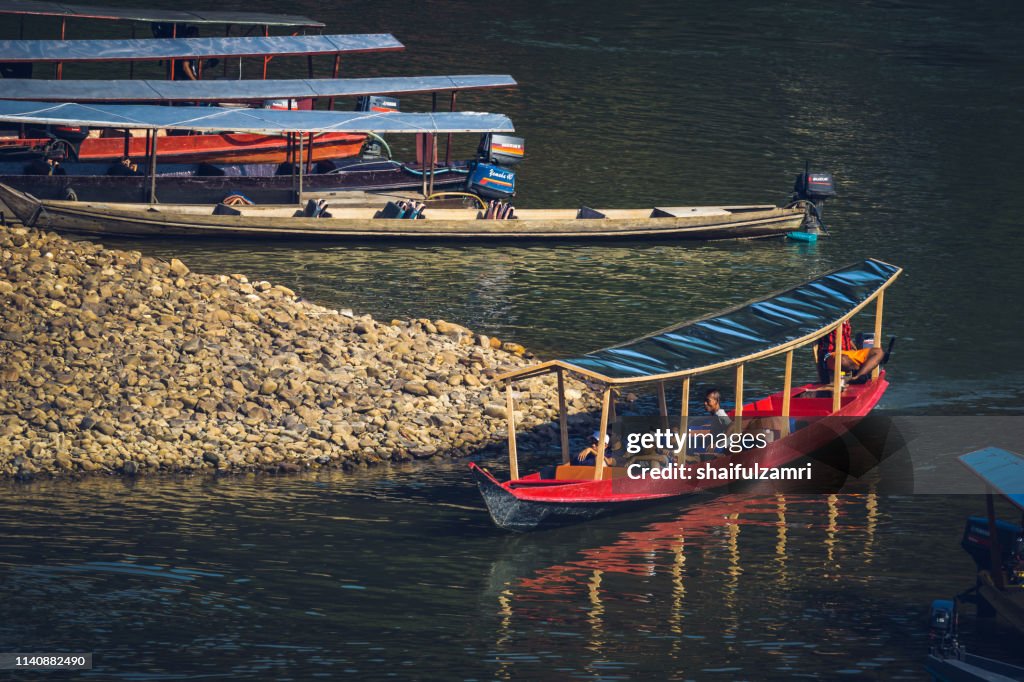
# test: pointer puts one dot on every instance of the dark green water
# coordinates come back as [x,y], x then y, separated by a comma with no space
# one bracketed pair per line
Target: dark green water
[916,108]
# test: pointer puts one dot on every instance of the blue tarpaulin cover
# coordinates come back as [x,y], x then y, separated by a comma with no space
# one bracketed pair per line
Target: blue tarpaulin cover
[767,325]
[236,90]
[265,121]
[1001,469]
[151,49]
[59,9]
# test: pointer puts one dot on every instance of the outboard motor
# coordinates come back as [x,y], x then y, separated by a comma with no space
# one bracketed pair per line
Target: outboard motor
[491,181]
[977,541]
[814,188]
[942,629]
[490,175]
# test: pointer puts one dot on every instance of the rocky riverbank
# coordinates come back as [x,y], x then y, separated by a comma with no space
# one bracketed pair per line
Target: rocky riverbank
[111,361]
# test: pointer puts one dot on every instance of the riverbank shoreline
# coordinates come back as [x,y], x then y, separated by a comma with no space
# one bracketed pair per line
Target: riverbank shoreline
[120,363]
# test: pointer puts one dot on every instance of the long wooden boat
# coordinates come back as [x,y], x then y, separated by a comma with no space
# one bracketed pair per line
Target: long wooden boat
[802,419]
[995,545]
[703,223]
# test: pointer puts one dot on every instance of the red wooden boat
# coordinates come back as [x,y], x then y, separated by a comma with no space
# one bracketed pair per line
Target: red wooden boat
[791,424]
[215,148]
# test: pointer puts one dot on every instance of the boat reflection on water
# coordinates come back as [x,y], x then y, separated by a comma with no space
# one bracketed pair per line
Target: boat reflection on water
[602,579]
[737,579]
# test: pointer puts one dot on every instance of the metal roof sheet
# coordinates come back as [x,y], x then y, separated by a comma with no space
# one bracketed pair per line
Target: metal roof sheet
[59,9]
[1001,469]
[265,121]
[235,90]
[152,49]
[760,328]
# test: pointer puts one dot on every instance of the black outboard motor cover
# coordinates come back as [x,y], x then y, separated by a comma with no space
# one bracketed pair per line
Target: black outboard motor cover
[977,543]
[504,150]
[942,629]
[814,187]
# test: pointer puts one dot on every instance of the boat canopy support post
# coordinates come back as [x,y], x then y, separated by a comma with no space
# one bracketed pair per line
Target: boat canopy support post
[513,456]
[995,551]
[152,169]
[63,36]
[448,147]
[433,161]
[787,385]
[837,369]
[684,415]
[334,74]
[302,161]
[738,412]
[879,303]
[601,433]
[563,416]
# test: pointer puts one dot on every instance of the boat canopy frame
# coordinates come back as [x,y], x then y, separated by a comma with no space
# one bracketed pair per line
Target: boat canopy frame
[841,294]
[159,49]
[241,90]
[1002,472]
[298,125]
[241,120]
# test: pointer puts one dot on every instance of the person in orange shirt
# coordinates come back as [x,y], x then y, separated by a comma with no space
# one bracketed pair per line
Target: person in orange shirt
[859,361]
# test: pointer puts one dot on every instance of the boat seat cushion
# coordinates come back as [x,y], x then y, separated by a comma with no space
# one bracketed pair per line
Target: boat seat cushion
[575,472]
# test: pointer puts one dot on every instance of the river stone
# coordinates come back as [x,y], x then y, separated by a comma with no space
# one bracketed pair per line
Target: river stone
[415,388]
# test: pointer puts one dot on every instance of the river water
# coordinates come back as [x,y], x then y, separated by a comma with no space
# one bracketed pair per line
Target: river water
[915,107]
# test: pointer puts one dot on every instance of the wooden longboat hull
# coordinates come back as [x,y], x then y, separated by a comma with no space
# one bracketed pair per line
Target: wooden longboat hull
[263,189]
[212,148]
[971,669]
[462,224]
[531,502]
[1008,603]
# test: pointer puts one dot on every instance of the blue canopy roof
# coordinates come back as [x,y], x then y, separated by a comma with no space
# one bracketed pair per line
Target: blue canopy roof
[236,90]
[1000,469]
[151,49]
[266,121]
[760,328]
[59,9]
